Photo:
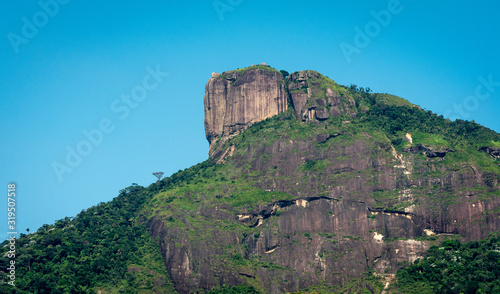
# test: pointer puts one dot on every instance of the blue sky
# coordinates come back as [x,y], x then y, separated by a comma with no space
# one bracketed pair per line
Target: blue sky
[67,68]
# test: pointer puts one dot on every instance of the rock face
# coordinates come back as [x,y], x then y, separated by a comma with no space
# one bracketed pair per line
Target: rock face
[313,241]
[493,151]
[353,202]
[237,99]
[335,227]
[312,100]
[429,151]
[234,100]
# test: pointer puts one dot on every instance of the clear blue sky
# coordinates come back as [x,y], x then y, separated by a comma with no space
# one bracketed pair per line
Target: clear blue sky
[66,67]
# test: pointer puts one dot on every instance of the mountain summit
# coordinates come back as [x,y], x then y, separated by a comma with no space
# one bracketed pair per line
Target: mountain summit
[237,99]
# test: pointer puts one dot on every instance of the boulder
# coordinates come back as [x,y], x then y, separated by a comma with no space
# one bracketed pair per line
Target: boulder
[334,111]
[321,113]
[322,138]
[321,102]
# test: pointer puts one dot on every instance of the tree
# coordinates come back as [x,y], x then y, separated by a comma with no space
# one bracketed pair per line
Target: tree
[284,73]
[159,175]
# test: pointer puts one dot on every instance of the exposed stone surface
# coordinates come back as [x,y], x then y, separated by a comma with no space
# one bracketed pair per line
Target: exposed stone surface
[321,113]
[493,151]
[307,92]
[321,102]
[322,138]
[236,100]
[429,151]
[402,174]
[356,204]
[332,230]
[432,152]
[334,111]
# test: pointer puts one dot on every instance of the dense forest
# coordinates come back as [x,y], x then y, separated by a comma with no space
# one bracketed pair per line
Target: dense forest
[454,267]
[105,247]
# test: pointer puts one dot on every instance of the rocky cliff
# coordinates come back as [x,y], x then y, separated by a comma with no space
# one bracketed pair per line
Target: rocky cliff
[234,100]
[342,183]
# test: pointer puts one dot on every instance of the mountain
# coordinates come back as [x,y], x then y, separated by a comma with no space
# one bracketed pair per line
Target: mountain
[237,99]
[309,186]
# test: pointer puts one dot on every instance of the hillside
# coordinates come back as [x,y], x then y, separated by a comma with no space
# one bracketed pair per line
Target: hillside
[105,249]
[309,186]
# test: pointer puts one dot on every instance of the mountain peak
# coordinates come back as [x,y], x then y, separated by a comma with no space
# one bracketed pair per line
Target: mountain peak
[236,99]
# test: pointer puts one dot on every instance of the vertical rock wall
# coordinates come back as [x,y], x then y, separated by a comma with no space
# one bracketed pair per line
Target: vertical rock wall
[237,99]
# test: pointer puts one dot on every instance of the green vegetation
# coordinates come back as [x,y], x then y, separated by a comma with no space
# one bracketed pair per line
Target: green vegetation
[103,248]
[495,144]
[264,67]
[454,267]
[435,140]
[240,71]
[392,100]
[284,73]
[314,165]
[368,283]
[243,289]
[428,126]
[327,235]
